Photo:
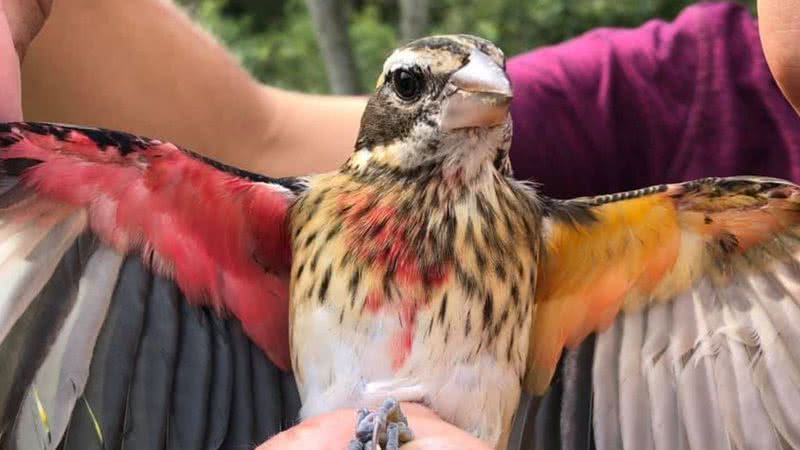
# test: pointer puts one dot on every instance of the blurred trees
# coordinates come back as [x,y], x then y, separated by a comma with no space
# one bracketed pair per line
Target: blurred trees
[276,40]
[330,23]
[413,18]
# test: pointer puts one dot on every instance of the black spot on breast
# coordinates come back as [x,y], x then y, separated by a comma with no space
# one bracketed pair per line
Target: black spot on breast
[315,260]
[514,294]
[480,260]
[467,281]
[443,308]
[376,228]
[323,287]
[355,279]
[485,209]
[488,311]
[335,229]
[500,271]
[310,239]
[510,347]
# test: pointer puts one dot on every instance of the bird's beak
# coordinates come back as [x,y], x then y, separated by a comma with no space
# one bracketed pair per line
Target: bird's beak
[478,95]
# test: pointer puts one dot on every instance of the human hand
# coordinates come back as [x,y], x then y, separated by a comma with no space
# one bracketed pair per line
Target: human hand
[779,27]
[20,21]
[333,431]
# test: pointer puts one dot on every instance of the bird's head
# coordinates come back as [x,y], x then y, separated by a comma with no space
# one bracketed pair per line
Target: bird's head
[442,102]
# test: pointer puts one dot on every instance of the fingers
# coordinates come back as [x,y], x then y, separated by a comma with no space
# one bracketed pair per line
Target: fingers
[25,19]
[779,28]
[334,431]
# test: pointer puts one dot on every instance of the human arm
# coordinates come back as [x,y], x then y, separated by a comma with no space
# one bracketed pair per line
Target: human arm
[669,101]
[779,26]
[143,66]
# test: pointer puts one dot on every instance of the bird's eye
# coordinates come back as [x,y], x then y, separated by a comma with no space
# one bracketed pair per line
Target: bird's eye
[407,84]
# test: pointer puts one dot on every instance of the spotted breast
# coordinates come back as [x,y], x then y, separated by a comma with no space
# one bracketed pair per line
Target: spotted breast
[419,290]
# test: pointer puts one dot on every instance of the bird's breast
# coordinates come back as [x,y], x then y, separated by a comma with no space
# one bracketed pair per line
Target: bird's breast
[410,290]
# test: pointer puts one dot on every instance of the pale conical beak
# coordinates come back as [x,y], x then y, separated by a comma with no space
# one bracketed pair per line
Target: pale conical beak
[477,95]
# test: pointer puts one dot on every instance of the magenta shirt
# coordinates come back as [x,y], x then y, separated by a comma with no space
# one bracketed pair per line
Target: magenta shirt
[618,109]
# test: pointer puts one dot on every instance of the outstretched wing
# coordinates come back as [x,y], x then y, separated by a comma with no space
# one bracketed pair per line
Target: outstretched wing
[694,289]
[104,237]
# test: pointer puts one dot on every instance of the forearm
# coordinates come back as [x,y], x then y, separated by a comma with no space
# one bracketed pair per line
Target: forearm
[144,67]
[310,133]
[779,28]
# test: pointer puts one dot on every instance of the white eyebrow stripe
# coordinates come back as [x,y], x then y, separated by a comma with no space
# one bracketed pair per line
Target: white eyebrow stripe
[402,58]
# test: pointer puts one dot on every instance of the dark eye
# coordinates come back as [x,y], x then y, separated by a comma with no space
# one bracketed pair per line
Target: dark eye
[408,84]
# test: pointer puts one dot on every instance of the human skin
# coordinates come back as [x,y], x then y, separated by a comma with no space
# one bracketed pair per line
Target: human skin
[20,20]
[779,29]
[98,63]
[334,430]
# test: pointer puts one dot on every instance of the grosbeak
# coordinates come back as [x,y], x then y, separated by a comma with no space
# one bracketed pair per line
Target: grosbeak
[420,271]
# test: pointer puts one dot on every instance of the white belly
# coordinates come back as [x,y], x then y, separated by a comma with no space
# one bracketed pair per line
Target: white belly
[356,365]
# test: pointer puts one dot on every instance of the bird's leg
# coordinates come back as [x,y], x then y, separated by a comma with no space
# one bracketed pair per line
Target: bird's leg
[386,428]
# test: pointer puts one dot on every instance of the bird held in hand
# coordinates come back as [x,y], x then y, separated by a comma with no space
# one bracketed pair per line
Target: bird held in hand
[420,271]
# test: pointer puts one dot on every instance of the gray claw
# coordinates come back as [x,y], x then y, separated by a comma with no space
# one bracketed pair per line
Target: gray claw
[405,434]
[355,444]
[393,412]
[361,414]
[385,428]
[392,437]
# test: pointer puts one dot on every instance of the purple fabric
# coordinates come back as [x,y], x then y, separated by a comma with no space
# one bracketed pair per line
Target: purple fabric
[618,109]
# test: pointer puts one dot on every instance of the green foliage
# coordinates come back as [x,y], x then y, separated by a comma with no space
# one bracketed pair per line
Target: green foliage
[275,39]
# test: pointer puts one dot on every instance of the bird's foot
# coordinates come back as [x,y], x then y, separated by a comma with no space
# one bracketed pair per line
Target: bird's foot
[384,429]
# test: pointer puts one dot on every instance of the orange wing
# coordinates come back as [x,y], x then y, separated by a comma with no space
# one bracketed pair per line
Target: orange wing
[707,273]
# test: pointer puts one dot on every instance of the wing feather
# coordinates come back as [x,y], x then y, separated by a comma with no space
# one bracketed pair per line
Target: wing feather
[219,232]
[62,376]
[668,432]
[105,239]
[608,434]
[634,400]
[694,290]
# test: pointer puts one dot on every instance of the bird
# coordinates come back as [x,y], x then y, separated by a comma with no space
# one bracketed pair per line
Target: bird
[419,271]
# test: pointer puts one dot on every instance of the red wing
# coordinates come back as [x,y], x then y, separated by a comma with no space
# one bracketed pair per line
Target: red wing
[90,333]
[219,232]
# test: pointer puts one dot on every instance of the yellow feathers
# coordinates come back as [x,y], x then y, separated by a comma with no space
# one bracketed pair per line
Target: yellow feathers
[652,246]
[592,269]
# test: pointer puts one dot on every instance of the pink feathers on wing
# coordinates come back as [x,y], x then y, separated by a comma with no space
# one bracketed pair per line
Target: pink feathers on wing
[220,236]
